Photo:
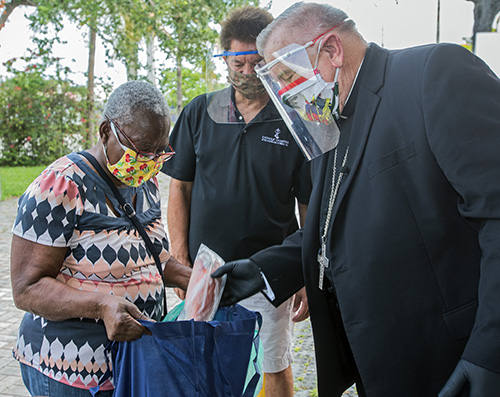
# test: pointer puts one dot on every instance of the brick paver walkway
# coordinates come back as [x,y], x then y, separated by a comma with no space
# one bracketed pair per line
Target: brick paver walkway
[11,384]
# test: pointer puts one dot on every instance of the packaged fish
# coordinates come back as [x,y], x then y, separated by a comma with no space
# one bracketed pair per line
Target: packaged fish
[204,292]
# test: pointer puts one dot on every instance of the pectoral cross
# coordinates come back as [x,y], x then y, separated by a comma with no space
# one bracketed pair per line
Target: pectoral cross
[324,262]
[322,259]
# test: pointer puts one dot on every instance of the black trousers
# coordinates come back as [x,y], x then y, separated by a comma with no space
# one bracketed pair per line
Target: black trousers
[347,357]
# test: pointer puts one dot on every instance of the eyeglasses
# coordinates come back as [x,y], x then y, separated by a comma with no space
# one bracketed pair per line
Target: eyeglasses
[142,157]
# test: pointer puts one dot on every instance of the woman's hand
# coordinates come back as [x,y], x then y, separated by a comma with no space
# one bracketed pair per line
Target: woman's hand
[120,319]
[181,293]
[176,275]
[34,268]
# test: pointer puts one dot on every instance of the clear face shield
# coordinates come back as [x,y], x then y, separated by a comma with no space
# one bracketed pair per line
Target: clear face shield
[309,105]
[236,69]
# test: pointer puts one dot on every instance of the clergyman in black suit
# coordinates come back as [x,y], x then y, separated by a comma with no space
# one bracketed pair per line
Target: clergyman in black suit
[410,300]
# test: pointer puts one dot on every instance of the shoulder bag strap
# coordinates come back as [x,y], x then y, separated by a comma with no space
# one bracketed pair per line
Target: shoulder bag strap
[127,208]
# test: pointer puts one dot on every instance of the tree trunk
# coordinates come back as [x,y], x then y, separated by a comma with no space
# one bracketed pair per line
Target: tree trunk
[150,52]
[179,84]
[89,139]
[9,7]
[438,27]
[133,64]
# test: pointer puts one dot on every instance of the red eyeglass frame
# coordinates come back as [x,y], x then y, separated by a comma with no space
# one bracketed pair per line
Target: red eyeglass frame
[143,156]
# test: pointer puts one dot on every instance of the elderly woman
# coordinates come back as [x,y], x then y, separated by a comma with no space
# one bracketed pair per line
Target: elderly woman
[79,268]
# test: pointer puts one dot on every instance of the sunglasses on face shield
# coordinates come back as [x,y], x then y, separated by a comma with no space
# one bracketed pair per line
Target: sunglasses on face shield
[141,155]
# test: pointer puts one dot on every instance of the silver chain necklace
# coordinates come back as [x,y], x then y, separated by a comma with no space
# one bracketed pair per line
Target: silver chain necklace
[323,261]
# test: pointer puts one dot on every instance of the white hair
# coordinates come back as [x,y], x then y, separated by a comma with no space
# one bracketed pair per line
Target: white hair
[134,97]
[304,21]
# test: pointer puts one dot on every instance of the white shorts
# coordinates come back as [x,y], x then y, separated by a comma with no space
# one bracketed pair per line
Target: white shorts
[276,332]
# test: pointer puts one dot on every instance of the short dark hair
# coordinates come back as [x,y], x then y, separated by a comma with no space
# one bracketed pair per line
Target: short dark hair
[243,24]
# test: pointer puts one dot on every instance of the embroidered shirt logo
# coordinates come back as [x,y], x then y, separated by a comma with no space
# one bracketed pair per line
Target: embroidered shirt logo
[275,139]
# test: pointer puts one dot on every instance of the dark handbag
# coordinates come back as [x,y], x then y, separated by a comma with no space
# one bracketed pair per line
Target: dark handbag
[219,358]
[192,358]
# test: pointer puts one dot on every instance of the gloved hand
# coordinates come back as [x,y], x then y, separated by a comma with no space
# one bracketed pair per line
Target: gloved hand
[243,280]
[482,382]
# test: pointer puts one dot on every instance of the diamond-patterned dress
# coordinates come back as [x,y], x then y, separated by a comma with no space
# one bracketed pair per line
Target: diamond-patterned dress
[66,207]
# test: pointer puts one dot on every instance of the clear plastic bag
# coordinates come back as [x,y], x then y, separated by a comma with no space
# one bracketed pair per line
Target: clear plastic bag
[204,292]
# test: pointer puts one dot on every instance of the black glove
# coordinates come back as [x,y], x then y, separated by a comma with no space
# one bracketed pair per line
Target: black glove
[243,280]
[482,382]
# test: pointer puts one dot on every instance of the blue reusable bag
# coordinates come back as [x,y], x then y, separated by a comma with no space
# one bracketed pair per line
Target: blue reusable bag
[192,358]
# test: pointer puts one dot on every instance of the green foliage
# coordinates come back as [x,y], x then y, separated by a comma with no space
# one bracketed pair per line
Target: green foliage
[41,117]
[193,83]
[183,29]
[15,180]
[42,113]
[186,29]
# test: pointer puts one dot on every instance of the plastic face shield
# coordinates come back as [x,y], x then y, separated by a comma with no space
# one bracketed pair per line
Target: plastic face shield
[294,85]
[290,80]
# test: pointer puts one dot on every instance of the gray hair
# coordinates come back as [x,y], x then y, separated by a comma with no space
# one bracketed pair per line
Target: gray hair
[305,21]
[132,97]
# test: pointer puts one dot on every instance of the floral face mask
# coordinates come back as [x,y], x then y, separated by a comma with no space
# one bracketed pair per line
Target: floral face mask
[132,169]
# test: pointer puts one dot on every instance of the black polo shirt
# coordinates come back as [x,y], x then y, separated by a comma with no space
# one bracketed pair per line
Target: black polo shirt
[245,179]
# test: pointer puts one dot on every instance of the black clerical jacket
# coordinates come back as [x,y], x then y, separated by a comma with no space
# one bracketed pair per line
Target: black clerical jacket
[415,242]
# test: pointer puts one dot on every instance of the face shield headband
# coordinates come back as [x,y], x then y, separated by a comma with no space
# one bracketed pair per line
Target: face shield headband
[309,105]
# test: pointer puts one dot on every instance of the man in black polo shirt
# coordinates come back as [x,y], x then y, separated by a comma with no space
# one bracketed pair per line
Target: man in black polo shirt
[235,180]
